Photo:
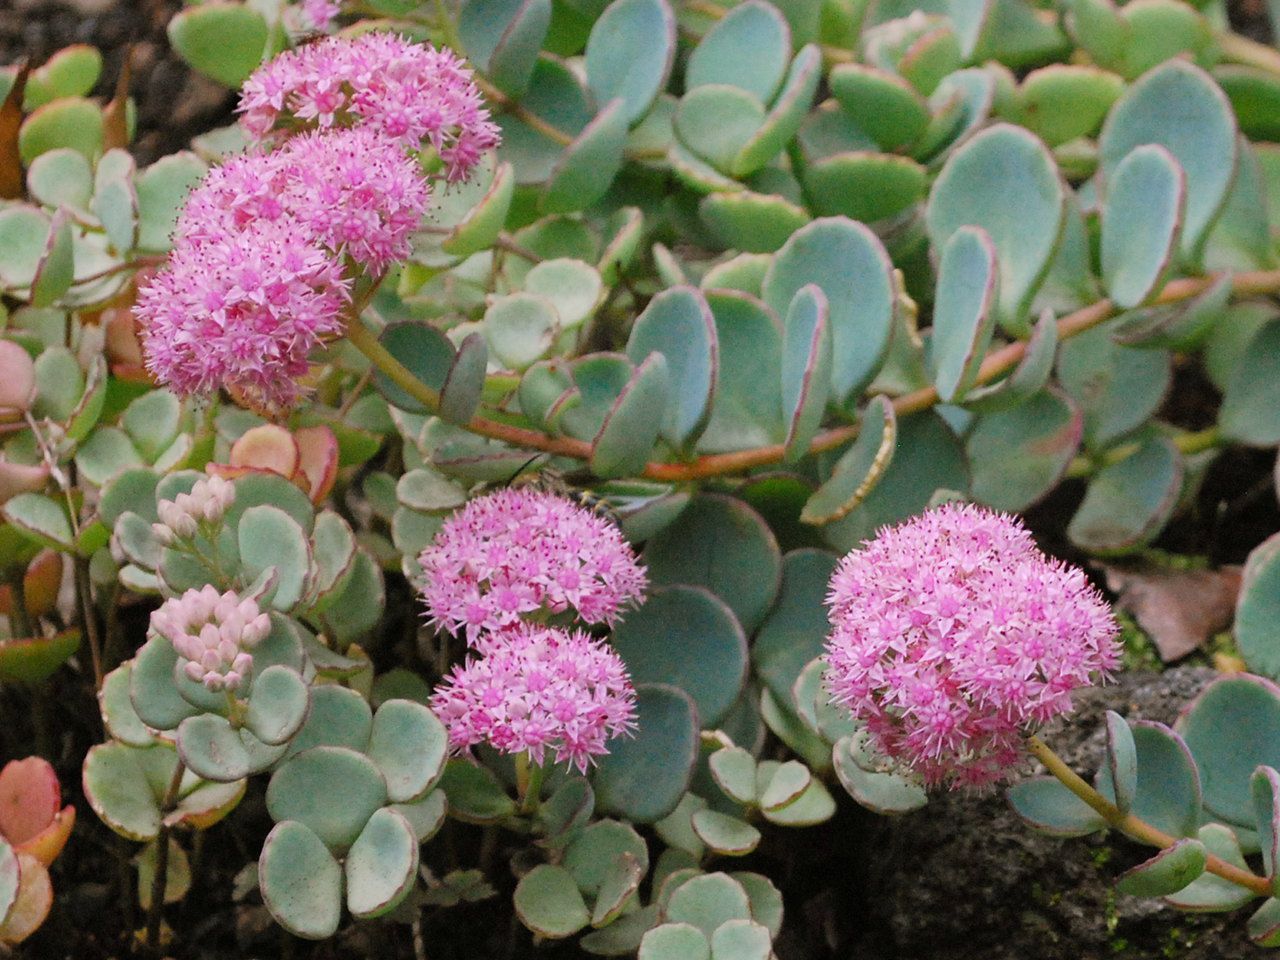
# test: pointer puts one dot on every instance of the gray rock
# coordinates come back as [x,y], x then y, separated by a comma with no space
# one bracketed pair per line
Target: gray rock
[963,879]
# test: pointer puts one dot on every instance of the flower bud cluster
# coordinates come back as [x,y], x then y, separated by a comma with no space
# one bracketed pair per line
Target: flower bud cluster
[267,248]
[499,566]
[182,517]
[214,633]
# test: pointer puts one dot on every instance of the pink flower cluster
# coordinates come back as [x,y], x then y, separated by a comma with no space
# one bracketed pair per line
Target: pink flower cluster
[517,552]
[265,248]
[319,14]
[406,91]
[181,517]
[213,632]
[539,690]
[953,637]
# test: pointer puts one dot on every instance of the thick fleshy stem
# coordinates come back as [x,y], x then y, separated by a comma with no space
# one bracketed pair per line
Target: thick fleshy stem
[1133,826]
[160,879]
[529,776]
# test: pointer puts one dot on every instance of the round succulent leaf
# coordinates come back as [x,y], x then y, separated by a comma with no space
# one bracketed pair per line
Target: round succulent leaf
[1118,775]
[162,189]
[687,637]
[888,794]
[71,72]
[1168,793]
[598,380]
[1118,388]
[563,814]
[260,488]
[617,889]
[1264,925]
[747,409]
[741,940]
[1128,503]
[115,204]
[213,749]
[715,121]
[591,855]
[1163,29]
[678,324]
[724,834]
[475,793]
[806,367]
[707,901]
[278,705]
[355,608]
[1247,414]
[503,37]
[1005,181]
[557,96]
[749,221]
[589,164]
[785,116]
[1209,893]
[674,941]
[10,879]
[882,104]
[1258,607]
[718,57]
[644,777]
[425,351]
[1047,806]
[734,771]
[521,328]
[815,805]
[41,519]
[795,630]
[1169,871]
[270,538]
[964,311]
[68,122]
[1017,455]
[426,815]
[864,185]
[381,865]
[61,177]
[574,287]
[151,689]
[408,744]
[855,475]
[630,53]
[56,268]
[223,41]
[302,789]
[1255,99]
[115,780]
[1141,224]
[630,428]
[1231,729]
[118,715]
[23,232]
[1264,788]
[720,543]
[849,263]
[549,903]
[301,882]
[698,175]
[1064,101]
[787,784]
[35,659]
[1179,107]
[480,226]
[928,457]
[621,937]
[206,804]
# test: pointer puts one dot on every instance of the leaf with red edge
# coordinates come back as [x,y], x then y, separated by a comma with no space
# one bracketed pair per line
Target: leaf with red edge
[35,897]
[317,460]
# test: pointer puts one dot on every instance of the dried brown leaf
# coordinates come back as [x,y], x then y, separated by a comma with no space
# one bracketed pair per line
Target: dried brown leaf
[1178,609]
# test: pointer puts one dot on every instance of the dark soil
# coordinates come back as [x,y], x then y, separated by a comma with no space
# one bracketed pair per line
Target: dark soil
[174,104]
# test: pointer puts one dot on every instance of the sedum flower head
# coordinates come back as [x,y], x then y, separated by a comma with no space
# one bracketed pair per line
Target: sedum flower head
[244,310]
[410,92]
[320,14]
[518,552]
[214,634]
[539,690]
[181,517]
[953,637]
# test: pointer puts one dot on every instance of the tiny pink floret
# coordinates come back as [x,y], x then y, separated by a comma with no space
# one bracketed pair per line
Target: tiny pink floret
[953,638]
[515,553]
[541,691]
[213,634]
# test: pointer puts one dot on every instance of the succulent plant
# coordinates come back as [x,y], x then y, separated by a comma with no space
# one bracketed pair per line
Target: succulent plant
[34,827]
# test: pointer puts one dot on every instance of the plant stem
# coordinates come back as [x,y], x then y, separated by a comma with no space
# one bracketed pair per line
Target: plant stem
[448,29]
[998,362]
[89,617]
[21,619]
[1190,442]
[160,879]
[1138,829]
[528,783]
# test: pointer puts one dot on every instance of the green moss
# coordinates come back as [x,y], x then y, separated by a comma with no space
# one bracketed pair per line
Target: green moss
[1139,651]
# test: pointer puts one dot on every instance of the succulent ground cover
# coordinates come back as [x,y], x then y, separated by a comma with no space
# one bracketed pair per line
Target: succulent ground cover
[543,478]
